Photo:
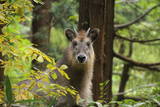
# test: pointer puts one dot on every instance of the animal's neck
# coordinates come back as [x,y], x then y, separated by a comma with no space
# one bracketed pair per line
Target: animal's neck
[77,73]
[80,74]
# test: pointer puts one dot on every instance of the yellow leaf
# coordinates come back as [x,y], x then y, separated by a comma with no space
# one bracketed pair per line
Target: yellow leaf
[51,67]
[40,59]
[63,74]
[63,67]
[77,98]
[54,76]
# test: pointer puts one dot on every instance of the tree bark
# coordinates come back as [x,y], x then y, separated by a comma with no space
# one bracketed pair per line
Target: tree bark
[100,14]
[97,6]
[88,18]
[125,75]
[1,65]
[108,50]
[41,25]
[1,73]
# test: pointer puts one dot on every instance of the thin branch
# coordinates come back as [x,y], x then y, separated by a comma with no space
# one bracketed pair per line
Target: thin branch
[146,69]
[135,63]
[116,73]
[135,89]
[137,19]
[134,98]
[135,40]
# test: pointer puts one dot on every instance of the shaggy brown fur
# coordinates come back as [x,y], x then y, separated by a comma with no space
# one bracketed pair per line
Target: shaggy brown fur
[80,73]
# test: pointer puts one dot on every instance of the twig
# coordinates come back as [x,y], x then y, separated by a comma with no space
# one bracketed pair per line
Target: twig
[134,98]
[131,90]
[135,63]
[138,41]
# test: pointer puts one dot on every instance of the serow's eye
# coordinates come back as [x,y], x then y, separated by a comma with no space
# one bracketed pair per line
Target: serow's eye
[74,43]
[88,44]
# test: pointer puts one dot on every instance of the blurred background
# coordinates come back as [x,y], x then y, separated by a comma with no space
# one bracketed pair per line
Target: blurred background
[127,50]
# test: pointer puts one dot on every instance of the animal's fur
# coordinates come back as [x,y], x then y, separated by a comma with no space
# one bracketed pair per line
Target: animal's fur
[80,73]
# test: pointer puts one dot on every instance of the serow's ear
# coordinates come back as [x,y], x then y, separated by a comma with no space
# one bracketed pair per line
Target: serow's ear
[93,34]
[70,34]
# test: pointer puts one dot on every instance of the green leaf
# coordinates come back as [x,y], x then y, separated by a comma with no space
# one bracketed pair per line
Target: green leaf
[28,101]
[52,102]
[54,76]
[75,17]
[8,90]
[11,1]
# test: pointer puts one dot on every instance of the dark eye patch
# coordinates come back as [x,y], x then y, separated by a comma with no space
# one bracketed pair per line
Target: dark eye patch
[74,43]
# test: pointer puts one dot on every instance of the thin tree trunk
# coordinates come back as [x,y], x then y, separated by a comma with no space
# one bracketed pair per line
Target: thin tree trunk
[1,65]
[1,57]
[125,75]
[1,73]
[108,50]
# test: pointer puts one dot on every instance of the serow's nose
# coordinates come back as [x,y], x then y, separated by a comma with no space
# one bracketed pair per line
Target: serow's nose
[81,58]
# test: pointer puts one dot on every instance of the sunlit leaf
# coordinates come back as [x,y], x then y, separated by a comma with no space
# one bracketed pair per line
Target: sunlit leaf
[51,67]
[54,76]
[8,90]
[63,67]
[38,1]
[40,59]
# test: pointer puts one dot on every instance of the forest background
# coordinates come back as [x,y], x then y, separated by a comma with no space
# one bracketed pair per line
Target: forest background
[127,51]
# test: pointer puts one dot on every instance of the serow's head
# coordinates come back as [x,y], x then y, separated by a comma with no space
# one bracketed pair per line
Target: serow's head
[81,43]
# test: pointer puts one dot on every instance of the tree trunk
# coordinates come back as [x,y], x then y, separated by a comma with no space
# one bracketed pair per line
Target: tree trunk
[125,75]
[100,14]
[83,15]
[88,18]
[41,25]
[1,65]
[1,57]
[97,6]
[92,14]
[1,73]
[108,50]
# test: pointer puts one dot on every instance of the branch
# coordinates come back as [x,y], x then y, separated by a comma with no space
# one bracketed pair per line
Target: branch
[134,98]
[147,69]
[137,19]
[135,63]
[135,40]
[134,89]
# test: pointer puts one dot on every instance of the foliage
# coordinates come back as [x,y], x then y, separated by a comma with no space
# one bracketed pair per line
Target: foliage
[18,54]
[57,47]
[146,29]
[65,13]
